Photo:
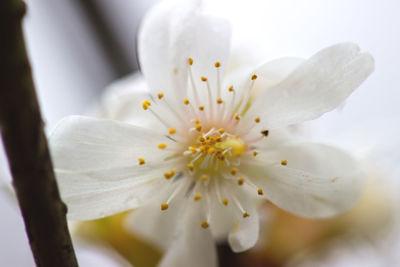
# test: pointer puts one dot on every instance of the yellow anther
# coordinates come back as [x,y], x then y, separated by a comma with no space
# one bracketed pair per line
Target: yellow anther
[219,100]
[146,104]
[237,117]
[257,119]
[190,61]
[240,181]
[221,130]
[234,171]
[160,95]
[217,64]
[211,150]
[162,146]
[172,130]
[246,214]
[225,201]
[260,191]
[196,121]
[255,153]
[284,162]
[204,178]
[164,206]
[197,197]
[218,139]
[141,161]
[169,175]
[190,166]
[198,127]
[192,149]
[203,79]
[186,101]
[204,224]
[201,138]
[201,108]
[254,76]
[230,89]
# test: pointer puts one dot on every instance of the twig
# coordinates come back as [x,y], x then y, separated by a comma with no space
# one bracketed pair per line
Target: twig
[26,147]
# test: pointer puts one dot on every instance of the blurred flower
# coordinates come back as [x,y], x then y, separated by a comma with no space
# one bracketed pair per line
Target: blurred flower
[197,157]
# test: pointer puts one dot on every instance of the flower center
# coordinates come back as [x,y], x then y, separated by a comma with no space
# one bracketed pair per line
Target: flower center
[214,150]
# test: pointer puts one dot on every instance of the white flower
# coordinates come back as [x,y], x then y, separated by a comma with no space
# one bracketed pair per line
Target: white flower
[212,145]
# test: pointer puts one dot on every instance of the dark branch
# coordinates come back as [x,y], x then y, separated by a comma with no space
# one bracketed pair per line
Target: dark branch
[26,147]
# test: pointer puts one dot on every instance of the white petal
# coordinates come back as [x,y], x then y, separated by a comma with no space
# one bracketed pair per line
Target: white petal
[193,245]
[222,218]
[318,180]
[96,163]
[123,100]
[154,225]
[172,32]
[318,85]
[245,231]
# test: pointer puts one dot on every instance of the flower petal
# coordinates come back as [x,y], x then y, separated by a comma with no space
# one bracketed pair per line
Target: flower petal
[154,225]
[317,181]
[193,246]
[96,163]
[317,86]
[123,100]
[244,234]
[172,32]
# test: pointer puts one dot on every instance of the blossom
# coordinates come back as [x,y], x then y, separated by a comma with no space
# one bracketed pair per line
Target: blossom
[203,146]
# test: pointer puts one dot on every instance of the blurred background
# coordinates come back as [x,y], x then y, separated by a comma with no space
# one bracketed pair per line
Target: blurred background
[79,47]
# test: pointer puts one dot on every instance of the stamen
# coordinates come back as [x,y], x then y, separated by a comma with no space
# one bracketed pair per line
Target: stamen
[219,100]
[265,133]
[162,146]
[284,162]
[204,79]
[255,153]
[247,95]
[257,119]
[204,178]
[186,101]
[245,214]
[190,166]
[225,201]
[260,191]
[218,65]
[172,130]
[164,206]
[141,161]
[237,117]
[146,106]
[240,181]
[234,171]
[160,95]
[204,224]
[169,175]
[196,96]
[197,197]
[198,127]
[201,108]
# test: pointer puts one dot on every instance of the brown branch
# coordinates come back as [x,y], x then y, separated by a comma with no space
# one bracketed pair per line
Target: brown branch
[26,147]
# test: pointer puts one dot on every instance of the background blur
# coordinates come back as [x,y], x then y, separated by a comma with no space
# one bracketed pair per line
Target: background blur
[78,47]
